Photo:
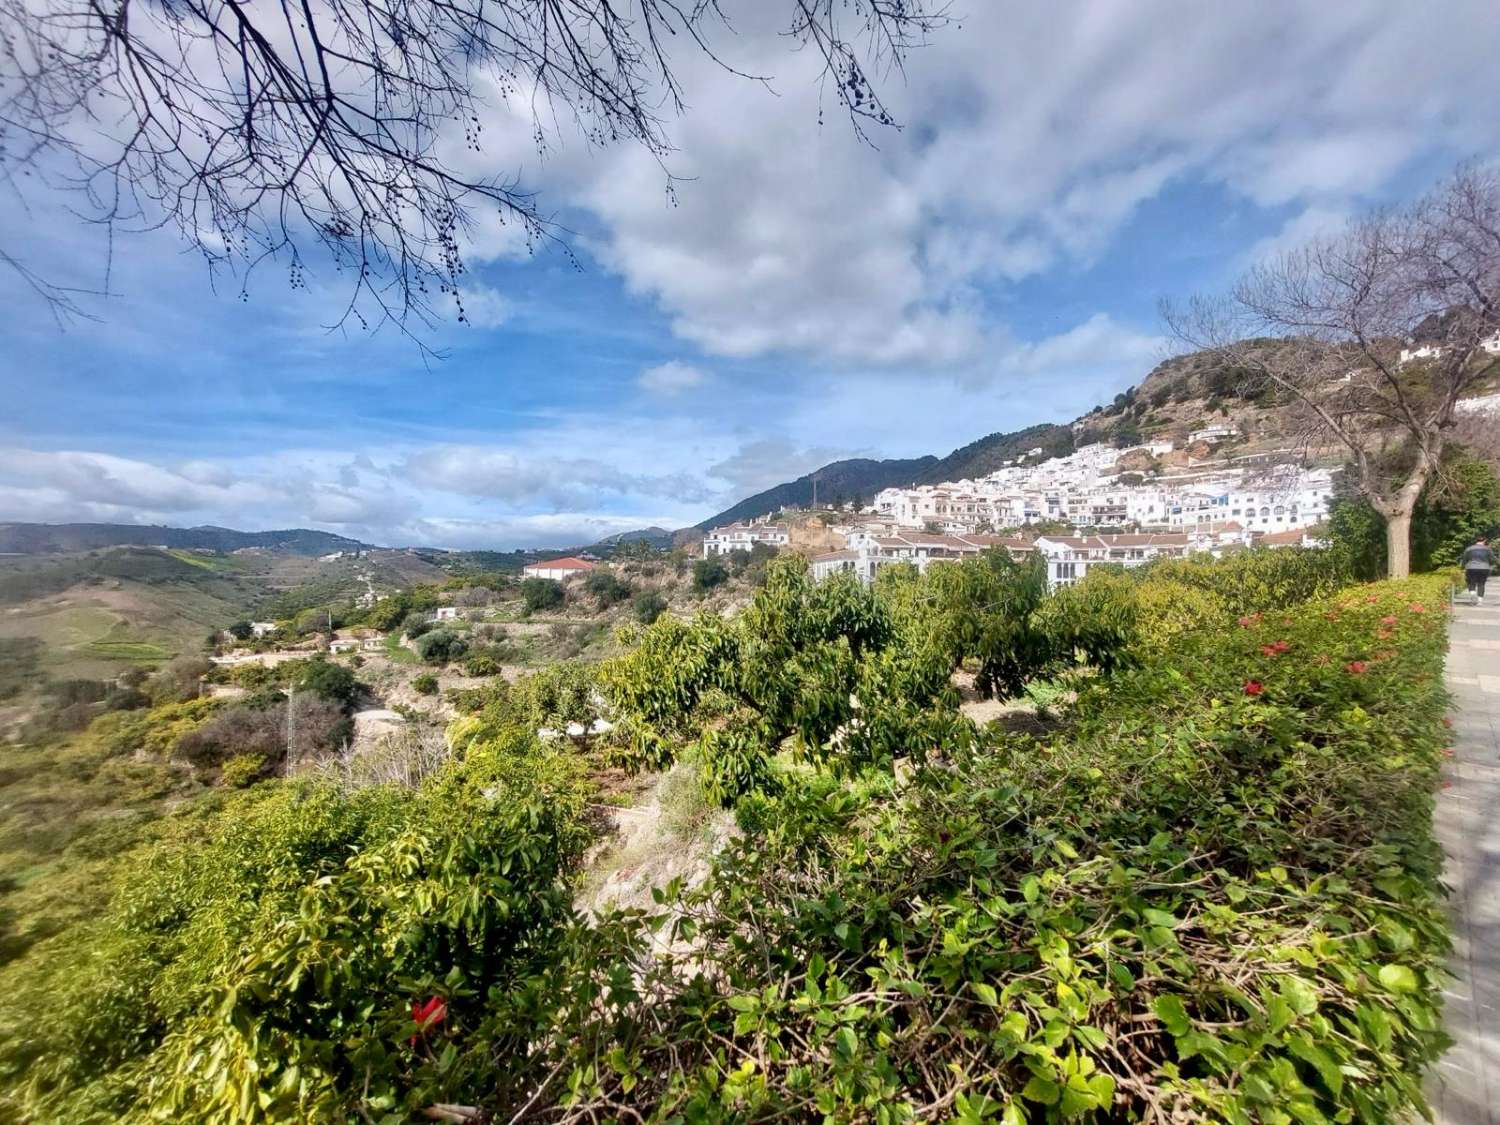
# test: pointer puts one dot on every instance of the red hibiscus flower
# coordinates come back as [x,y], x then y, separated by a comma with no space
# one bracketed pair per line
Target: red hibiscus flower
[1254,687]
[428,1013]
[1357,667]
[1417,607]
[1373,598]
[1251,619]
[1388,619]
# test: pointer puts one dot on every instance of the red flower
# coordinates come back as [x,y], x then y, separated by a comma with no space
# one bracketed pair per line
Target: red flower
[1357,667]
[1417,607]
[1447,722]
[428,1013]
[1252,619]
[1373,598]
[1254,687]
[1388,619]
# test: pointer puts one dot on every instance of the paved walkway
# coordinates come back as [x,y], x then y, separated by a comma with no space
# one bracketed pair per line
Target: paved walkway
[1465,1089]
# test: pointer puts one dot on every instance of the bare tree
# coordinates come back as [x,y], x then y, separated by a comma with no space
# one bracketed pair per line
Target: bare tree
[265,129]
[1374,335]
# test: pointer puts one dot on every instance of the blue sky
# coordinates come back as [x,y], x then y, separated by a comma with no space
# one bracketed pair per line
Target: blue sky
[996,263]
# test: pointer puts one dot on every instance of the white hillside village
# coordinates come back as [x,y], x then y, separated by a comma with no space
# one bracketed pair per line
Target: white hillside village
[1209,507]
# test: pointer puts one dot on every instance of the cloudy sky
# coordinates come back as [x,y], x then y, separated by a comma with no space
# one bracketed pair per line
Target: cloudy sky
[805,296]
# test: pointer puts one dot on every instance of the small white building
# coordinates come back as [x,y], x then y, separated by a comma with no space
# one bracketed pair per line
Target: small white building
[445,613]
[262,628]
[558,570]
[1070,556]
[1414,351]
[343,644]
[744,536]
[1214,434]
[868,552]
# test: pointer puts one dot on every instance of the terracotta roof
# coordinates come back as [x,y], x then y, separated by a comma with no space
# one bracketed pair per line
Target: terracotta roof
[1280,538]
[833,556]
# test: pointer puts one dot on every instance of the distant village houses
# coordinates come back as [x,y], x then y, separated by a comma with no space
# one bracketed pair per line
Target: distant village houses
[558,570]
[744,536]
[868,552]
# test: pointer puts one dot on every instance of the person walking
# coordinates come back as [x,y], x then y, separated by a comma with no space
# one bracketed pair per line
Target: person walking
[1477,562]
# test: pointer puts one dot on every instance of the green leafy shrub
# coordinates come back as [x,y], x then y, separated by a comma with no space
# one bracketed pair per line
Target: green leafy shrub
[541,593]
[242,770]
[425,684]
[1214,895]
[327,680]
[708,573]
[608,587]
[268,966]
[648,606]
[441,646]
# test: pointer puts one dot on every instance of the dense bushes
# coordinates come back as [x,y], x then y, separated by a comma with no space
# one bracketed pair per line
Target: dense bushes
[269,968]
[648,605]
[541,593]
[1214,897]
[1209,894]
[442,646]
[708,573]
[607,587]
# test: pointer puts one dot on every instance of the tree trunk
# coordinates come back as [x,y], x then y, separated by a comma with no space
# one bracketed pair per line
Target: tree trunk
[1398,545]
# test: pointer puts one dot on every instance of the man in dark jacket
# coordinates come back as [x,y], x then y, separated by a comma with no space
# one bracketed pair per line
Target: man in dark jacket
[1477,562]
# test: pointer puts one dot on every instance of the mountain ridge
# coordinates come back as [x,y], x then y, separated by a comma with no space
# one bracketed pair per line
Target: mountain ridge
[19,538]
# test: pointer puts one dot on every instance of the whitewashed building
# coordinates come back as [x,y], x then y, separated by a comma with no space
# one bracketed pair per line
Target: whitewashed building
[1070,556]
[558,570]
[868,552]
[744,536]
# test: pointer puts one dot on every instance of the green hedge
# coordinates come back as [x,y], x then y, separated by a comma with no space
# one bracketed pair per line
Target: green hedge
[1214,897]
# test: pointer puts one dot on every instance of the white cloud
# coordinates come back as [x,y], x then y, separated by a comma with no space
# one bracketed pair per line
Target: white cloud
[505,474]
[484,307]
[1033,133]
[671,378]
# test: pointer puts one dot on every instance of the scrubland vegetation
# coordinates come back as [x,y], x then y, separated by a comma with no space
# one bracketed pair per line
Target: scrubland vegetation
[1206,888]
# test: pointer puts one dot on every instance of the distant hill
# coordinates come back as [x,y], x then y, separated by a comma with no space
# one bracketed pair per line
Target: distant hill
[1180,394]
[858,478]
[982,457]
[56,538]
[861,478]
[659,537]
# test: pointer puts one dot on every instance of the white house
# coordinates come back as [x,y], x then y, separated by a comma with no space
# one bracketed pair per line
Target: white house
[445,613]
[558,570]
[868,552]
[262,628]
[343,644]
[1070,556]
[744,536]
[1213,434]
[1490,344]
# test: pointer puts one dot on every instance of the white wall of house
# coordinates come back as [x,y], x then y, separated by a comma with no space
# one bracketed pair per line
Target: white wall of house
[743,537]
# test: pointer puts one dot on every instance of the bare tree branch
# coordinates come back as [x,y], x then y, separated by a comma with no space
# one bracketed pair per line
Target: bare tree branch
[265,129]
[1375,334]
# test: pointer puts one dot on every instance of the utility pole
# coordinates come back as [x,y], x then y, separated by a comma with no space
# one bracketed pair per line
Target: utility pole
[815,492]
[291,728]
